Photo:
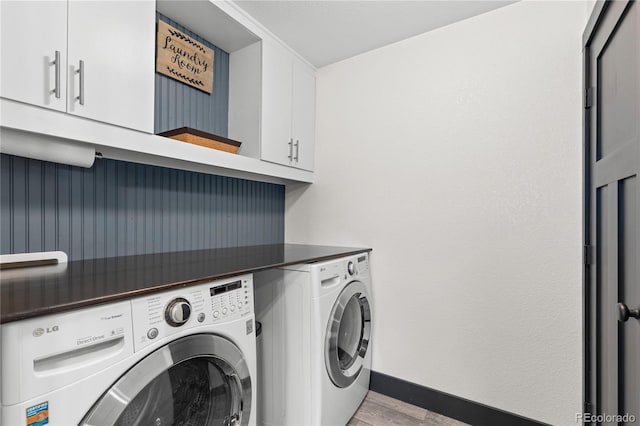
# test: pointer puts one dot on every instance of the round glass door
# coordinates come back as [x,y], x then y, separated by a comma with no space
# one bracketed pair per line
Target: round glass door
[348,335]
[199,380]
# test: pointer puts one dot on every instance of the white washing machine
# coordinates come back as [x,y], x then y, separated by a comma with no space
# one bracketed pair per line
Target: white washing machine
[314,356]
[183,357]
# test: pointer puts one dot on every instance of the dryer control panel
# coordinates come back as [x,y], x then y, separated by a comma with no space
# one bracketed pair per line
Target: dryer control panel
[160,315]
[363,263]
[346,268]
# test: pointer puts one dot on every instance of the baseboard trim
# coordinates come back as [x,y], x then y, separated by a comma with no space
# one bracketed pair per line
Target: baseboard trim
[446,404]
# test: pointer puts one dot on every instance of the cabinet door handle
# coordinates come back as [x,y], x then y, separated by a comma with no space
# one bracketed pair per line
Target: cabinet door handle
[81,73]
[290,156]
[56,61]
[297,150]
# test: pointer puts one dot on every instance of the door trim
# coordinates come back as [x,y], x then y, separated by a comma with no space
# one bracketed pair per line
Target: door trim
[600,13]
[595,18]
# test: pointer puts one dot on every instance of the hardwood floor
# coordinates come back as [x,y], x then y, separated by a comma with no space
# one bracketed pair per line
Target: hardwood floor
[381,410]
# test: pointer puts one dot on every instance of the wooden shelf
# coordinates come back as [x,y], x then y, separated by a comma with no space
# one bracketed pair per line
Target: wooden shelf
[198,137]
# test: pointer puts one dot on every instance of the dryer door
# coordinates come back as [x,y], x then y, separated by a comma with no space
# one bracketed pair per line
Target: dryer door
[196,380]
[348,334]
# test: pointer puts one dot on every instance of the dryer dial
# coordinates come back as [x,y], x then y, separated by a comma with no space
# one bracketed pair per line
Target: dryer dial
[351,268]
[177,312]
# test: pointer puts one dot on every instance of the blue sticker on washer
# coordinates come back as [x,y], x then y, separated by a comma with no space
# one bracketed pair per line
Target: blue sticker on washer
[38,415]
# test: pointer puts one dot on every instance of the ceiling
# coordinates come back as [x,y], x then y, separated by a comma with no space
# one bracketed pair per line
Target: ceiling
[328,31]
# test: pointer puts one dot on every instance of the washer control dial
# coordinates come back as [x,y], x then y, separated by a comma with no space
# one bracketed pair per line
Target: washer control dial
[177,312]
[351,268]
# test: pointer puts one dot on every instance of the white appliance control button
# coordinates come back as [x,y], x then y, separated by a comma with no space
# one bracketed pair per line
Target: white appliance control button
[177,312]
[233,308]
[216,314]
[152,333]
[224,311]
[239,305]
[201,317]
[351,268]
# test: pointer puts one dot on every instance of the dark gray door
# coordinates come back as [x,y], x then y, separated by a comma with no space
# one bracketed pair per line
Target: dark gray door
[612,148]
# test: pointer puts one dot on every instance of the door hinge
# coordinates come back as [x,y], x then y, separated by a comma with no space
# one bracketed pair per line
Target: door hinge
[589,255]
[588,97]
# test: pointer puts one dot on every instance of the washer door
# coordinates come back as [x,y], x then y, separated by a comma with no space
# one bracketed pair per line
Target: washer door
[348,334]
[199,380]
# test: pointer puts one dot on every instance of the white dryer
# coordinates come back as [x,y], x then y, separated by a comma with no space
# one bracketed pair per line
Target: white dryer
[314,355]
[185,356]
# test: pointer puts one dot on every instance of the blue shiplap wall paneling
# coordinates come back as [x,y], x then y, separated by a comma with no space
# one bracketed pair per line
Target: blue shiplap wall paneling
[118,208]
[178,105]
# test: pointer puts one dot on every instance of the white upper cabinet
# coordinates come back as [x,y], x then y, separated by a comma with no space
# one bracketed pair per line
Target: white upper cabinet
[113,40]
[103,85]
[288,108]
[277,76]
[111,62]
[34,34]
[304,115]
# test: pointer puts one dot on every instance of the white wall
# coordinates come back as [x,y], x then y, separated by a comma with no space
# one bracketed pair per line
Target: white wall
[456,155]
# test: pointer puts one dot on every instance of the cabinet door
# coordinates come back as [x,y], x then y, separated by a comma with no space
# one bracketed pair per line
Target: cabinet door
[32,33]
[277,70]
[304,115]
[115,40]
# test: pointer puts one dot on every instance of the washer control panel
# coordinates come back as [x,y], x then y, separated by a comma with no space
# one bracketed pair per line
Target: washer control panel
[228,300]
[160,315]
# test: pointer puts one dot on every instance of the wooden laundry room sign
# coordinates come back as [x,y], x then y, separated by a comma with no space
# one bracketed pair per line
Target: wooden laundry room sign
[182,58]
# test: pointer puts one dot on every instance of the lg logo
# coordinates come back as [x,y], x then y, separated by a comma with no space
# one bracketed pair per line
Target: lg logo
[40,331]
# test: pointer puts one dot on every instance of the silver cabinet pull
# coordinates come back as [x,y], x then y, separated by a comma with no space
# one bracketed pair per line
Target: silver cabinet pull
[290,143]
[297,150]
[56,90]
[81,72]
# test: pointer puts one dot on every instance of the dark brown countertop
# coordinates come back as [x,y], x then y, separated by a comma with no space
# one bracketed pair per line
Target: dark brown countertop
[90,282]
